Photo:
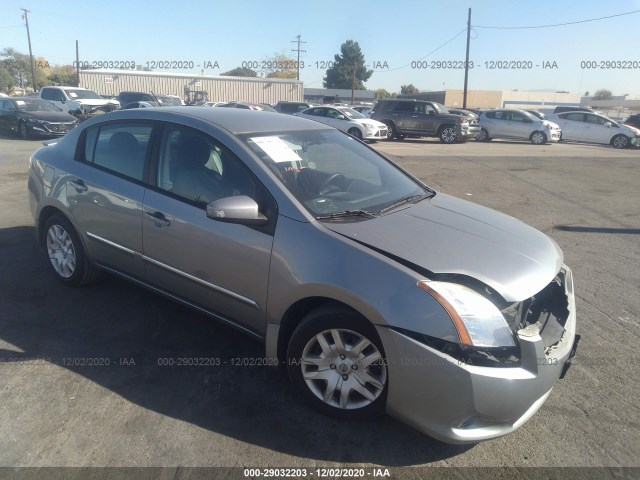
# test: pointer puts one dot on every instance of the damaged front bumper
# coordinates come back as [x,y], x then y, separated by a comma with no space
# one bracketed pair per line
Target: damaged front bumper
[456,402]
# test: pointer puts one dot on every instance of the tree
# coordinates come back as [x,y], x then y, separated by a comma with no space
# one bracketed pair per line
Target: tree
[17,64]
[409,89]
[381,93]
[7,81]
[347,65]
[240,72]
[586,94]
[602,94]
[280,66]
[63,75]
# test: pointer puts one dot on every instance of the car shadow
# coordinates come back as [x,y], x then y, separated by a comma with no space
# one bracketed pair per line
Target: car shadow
[115,320]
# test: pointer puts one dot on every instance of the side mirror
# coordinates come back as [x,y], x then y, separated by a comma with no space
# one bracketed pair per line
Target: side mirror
[341,117]
[608,124]
[63,100]
[238,209]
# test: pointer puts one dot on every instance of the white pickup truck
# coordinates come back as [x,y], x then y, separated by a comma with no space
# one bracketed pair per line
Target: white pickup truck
[78,101]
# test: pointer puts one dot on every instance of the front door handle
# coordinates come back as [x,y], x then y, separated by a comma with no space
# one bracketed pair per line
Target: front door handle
[158,217]
[79,185]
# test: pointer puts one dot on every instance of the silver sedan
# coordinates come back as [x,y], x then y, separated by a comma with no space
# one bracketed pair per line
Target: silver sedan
[372,290]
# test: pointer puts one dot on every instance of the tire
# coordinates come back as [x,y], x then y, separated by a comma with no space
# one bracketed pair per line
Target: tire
[65,252]
[23,131]
[447,134]
[620,141]
[483,136]
[392,133]
[355,132]
[338,364]
[538,138]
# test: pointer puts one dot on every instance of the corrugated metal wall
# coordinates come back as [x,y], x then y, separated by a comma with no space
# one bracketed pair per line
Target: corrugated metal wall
[220,89]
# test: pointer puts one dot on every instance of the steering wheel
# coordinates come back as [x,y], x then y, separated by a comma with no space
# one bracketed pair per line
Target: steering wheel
[329,181]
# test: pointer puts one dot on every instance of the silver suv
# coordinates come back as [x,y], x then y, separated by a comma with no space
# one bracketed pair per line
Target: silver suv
[423,118]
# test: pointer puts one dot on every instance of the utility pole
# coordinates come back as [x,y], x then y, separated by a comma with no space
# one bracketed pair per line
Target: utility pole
[298,41]
[77,65]
[33,76]
[353,81]
[466,64]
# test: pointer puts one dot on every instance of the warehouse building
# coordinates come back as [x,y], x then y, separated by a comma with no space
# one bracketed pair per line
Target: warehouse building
[543,101]
[219,89]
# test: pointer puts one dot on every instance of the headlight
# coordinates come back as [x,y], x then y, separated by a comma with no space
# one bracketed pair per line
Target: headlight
[478,321]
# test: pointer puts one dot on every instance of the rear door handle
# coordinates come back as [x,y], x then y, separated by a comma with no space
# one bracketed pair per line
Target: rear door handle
[158,217]
[79,185]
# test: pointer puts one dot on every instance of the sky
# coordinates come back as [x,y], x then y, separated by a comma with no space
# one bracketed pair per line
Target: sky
[405,42]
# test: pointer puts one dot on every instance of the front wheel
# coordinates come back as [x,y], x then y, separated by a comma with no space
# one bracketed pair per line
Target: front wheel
[538,138]
[620,141]
[66,254]
[448,134]
[336,361]
[483,136]
[23,131]
[355,132]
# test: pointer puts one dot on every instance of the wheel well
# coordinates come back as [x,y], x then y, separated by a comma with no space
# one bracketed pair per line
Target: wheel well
[45,214]
[294,315]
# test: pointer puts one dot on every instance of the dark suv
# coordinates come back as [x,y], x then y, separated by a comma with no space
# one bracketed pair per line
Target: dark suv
[292,107]
[423,118]
[633,121]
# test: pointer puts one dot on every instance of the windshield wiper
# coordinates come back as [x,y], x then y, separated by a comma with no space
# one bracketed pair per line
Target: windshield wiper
[403,200]
[347,213]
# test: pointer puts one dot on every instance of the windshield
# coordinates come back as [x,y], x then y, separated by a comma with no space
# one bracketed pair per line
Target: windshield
[36,105]
[351,113]
[330,172]
[82,94]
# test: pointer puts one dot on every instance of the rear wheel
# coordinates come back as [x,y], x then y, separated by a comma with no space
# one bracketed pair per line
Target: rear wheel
[336,361]
[448,134]
[620,141]
[538,138]
[66,254]
[355,132]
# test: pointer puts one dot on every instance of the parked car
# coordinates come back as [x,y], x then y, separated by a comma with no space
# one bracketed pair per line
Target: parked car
[347,120]
[580,126]
[633,121]
[461,111]
[30,117]
[126,98]
[518,125]
[375,292]
[537,114]
[138,105]
[169,100]
[571,109]
[423,118]
[260,107]
[212,104]
[363,109]
[78,101]
[292,107]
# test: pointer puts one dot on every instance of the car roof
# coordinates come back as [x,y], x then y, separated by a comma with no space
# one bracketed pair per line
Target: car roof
[236,121]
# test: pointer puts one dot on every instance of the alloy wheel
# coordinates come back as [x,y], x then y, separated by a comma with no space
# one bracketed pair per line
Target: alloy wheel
[61,251]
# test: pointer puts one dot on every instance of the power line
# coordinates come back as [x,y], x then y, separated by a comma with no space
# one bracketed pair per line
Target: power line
[558,24]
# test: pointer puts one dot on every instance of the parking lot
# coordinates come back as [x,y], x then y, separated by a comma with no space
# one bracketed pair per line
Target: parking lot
[131,411]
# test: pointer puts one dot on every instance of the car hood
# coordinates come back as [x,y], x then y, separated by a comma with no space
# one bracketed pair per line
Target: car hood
[446,235]
[50,116]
